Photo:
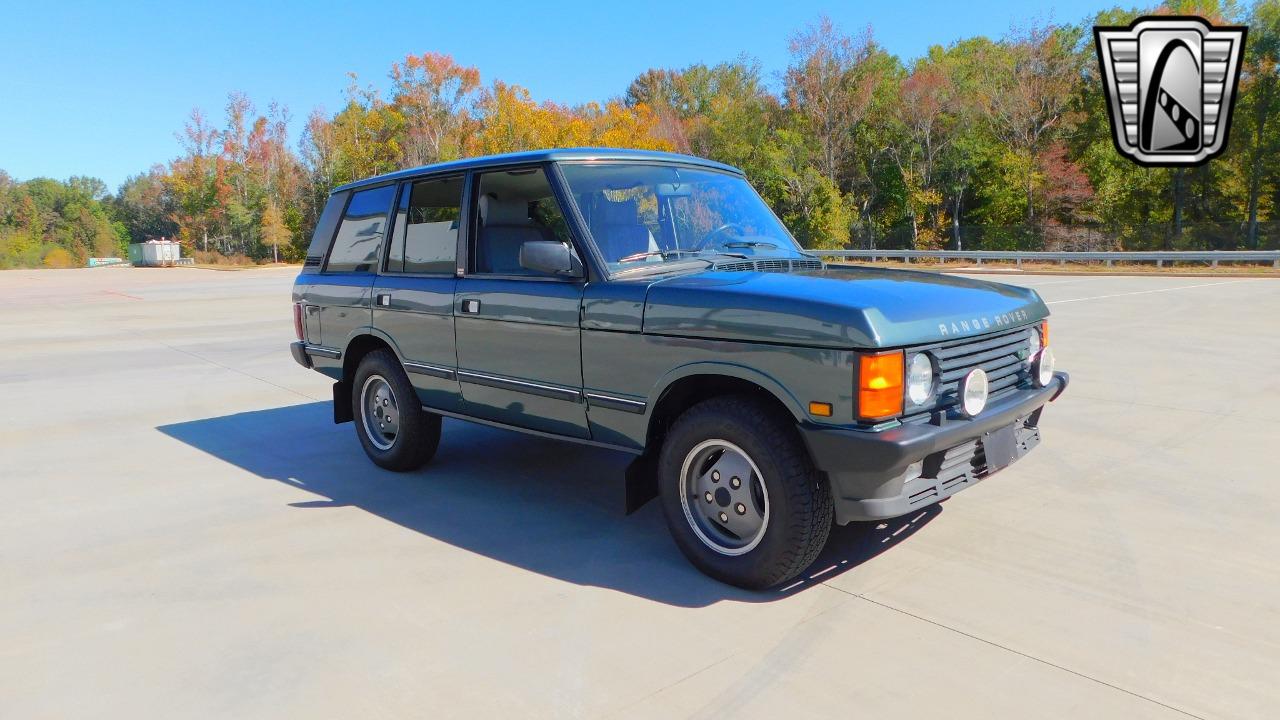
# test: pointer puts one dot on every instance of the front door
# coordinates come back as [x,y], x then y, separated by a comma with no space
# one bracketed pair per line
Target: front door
[518,336]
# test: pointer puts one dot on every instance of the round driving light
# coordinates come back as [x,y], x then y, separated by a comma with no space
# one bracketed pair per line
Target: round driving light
[1043,367]
[973,392]
[919,379]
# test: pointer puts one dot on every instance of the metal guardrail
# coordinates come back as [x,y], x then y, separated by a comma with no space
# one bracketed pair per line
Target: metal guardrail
[1212,257]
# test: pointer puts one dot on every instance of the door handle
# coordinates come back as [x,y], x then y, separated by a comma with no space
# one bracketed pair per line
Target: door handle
[471,306]
[384,299]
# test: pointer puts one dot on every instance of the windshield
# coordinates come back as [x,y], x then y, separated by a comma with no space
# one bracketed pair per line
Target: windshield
[646,215]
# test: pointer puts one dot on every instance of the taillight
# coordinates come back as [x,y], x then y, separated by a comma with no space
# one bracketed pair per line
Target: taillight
[880,385]
[297,321]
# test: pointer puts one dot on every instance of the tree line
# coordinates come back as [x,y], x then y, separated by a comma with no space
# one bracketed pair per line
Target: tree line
[982,144]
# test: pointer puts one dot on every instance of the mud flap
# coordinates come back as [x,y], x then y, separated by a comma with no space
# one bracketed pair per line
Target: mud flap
[342,402]
[641,482]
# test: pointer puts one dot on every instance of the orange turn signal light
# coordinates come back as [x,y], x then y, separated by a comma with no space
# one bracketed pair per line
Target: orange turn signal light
[1044,333]
[820,409]
[880,385]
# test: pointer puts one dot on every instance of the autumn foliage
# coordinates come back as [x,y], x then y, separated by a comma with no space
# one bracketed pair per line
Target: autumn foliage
[983,143]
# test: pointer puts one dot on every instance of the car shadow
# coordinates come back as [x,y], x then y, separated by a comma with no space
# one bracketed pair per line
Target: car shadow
[543,505]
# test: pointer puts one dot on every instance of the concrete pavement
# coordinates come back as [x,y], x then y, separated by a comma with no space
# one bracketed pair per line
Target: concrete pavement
[185,533]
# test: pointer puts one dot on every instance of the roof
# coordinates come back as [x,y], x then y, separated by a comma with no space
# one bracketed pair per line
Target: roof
[535,156]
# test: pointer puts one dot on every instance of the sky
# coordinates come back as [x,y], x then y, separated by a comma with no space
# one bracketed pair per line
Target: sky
[102,88]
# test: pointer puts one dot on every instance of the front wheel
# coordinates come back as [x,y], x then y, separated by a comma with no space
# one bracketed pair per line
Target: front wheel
[740,495]
[397,434]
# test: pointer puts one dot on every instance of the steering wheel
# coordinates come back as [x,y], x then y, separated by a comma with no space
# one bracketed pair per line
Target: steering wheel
[706,239]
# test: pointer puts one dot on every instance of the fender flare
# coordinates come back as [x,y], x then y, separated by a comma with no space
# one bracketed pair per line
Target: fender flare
[740,372]
[370,330]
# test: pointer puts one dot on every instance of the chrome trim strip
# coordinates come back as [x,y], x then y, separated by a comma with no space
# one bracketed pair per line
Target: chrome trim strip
[551,391]
[537,433]
[322,351]
[615,403]
[432,370]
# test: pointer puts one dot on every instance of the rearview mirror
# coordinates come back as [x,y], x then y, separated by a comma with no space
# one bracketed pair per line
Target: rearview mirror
[550,258]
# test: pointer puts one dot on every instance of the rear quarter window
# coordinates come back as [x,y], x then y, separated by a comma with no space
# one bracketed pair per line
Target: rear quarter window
[325,228]
[357,246]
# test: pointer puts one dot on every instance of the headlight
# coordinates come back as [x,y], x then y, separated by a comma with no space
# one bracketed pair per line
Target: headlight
[1036,344]
[1043,367]
[919,379]
[973,392]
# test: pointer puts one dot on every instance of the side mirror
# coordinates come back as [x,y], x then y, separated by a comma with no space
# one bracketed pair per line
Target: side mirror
[550,258]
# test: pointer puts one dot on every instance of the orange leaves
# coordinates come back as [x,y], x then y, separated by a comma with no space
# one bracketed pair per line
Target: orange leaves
[510,120]
[617,125]
[436,97]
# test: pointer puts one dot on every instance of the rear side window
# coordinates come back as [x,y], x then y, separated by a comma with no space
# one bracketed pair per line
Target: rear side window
[359,239]
[425,239]
[325,227]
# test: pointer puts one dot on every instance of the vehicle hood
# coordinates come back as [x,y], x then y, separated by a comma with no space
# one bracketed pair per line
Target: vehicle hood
[845,307]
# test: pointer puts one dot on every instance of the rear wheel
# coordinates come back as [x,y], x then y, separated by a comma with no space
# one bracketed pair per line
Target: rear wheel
[740,495]
[396,433]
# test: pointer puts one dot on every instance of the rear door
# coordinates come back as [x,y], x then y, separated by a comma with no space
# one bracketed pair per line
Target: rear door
[518,334]
[321,239]
[413,296]
[343,292]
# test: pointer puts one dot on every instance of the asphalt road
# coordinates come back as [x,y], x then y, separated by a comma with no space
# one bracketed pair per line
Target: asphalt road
[185,534]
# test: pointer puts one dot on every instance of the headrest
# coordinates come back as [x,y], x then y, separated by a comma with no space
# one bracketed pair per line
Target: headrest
[496,212]
[618,213]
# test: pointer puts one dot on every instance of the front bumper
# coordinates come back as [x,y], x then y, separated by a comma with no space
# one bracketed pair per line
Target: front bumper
[876,475]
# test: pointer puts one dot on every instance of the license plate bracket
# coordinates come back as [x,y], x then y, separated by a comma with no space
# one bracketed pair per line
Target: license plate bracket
[1000,447]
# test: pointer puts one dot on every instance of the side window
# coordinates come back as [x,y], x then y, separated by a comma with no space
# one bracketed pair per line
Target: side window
[546,212]
[513,207]
[359,239]
[426,234]
[325,227]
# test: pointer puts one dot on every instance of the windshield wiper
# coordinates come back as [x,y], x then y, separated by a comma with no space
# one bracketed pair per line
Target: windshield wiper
[642,255]
[664,254]
[751,243]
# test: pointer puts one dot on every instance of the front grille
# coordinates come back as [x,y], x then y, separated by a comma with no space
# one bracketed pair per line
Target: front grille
[768,265]
[1002,355]
[312,261]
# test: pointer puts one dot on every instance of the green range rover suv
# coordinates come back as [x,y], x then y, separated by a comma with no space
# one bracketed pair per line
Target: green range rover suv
[653,303]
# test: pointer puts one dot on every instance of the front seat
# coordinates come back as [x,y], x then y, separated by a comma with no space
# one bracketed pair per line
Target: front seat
[619,232]
[504,227]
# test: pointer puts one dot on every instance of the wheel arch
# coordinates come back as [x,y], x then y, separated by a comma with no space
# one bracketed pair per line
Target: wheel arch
[362,342]
[691,384]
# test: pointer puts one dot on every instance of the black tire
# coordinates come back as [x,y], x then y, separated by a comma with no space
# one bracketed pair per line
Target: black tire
[417,432]
[798,513]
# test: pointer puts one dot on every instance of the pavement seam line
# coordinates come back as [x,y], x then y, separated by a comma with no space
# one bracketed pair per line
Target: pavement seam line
[1006,648]
[228,367]
[1156,406]
[668,686]
[1145,292]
